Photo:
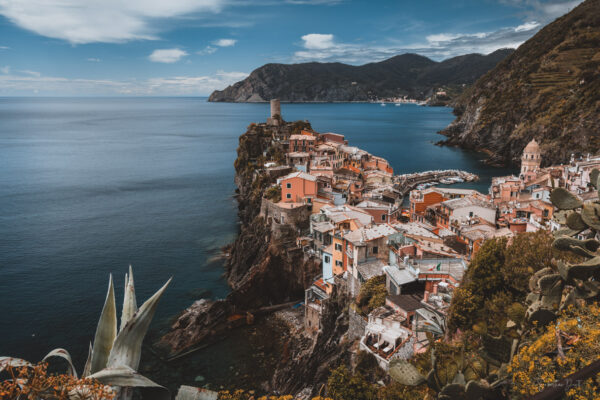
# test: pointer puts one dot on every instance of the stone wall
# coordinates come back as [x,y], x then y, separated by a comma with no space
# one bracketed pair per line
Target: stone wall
[282,219]
[356,325]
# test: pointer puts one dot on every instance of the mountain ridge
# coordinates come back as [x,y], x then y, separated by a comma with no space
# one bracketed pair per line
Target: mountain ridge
[409,74]
[548,89]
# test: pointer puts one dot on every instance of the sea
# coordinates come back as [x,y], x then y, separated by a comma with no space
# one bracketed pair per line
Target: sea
[89,186]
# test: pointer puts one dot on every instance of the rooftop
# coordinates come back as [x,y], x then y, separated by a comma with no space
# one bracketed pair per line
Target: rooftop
[323,227]
[302,137]
[454,267]
[407,302]
[365,234]
[370,268]
[415,229]
[298,174]
[467,202]
[399,276]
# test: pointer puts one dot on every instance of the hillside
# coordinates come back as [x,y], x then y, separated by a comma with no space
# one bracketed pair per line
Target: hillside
[403,75]
[548,89]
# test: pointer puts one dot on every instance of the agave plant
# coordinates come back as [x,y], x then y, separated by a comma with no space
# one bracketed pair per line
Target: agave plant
[114,357]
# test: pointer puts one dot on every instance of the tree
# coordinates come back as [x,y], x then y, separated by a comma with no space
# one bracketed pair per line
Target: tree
[372,294]
[343,385]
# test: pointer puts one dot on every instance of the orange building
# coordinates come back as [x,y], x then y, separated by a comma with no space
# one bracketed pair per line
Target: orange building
[420,200]
[298,187]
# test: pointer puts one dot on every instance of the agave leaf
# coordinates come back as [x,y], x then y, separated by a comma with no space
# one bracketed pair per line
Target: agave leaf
[123,376]
[594,175]
[591,215]
[405,373]
[88,363]
[106,331]
[127,348]
[564,200]
[6,362]
[575,222]
[129,302]
[64,354]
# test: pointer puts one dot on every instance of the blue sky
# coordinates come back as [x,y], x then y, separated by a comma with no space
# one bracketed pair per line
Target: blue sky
[191,47]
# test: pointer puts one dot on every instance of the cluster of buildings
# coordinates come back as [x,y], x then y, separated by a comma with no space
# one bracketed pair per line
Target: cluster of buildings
[349,215]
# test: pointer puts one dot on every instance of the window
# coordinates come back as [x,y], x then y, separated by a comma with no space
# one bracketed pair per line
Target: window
[327,259]
[470,214]
[374,250]
[288,195]
[383,217]
[338,247]
[288,185]
[308,200]
[338,264]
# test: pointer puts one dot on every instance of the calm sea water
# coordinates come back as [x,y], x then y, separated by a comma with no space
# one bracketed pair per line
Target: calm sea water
[89,186]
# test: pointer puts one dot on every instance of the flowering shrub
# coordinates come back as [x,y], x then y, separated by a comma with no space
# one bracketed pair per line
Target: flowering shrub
[540,364]
[243,395]
[36,383]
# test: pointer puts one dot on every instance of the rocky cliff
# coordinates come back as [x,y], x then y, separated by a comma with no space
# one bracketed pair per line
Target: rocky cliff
[548,89]
[261,268]
[404,75]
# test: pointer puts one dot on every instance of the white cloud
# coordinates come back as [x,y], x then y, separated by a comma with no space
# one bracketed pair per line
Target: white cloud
[527,26]
[318,41]
[4,48]
[89,21]
[439,46]
[160,86]
[5,69]
[92,59]
[30,73]
[207,50]
[441,37]
[167,56]
[225,42]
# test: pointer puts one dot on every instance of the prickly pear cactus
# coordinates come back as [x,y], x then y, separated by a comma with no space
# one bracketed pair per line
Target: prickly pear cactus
[569,284]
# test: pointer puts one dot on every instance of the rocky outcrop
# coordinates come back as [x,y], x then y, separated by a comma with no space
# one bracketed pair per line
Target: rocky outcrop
[548,89]
[261,269]
[409,75]
[307,364]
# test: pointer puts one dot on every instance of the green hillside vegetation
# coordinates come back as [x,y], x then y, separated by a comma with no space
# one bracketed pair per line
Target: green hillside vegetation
[410,75]
[548,89]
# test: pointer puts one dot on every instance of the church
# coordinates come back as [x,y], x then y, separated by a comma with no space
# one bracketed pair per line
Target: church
[530,161]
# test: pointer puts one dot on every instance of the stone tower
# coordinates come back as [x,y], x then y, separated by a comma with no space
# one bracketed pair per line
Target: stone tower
[275,108]
[531,158]
[275,113]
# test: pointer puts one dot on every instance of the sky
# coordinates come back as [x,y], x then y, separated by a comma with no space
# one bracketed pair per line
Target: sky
[192,47]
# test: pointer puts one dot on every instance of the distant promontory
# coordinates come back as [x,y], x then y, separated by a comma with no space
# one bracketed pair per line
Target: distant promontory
[408,75]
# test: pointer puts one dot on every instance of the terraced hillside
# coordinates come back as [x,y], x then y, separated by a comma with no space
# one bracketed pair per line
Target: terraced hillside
[548,89]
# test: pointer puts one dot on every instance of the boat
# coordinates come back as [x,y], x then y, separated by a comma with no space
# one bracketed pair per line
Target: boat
[398,104]
[382,104]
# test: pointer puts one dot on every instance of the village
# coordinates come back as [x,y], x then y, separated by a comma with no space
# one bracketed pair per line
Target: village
[349,212]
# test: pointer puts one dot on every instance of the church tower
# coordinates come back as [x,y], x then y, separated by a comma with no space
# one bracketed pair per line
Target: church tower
[531,158]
